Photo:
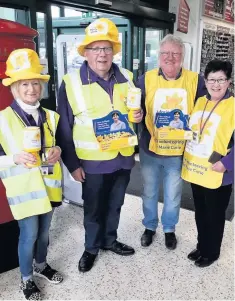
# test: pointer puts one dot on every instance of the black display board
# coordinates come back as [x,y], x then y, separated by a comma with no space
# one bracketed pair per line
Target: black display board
[217,42]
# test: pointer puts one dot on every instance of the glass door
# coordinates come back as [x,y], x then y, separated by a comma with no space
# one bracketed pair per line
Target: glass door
[68,58]
[46,43]
[152,42]
[146,42]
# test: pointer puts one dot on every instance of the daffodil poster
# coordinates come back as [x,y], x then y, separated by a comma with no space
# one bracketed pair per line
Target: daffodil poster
[113,131]
[171,121]
[171,114]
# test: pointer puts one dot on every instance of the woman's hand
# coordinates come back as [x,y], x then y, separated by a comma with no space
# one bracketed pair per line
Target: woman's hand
[54,155]
[218,167]
[24,158]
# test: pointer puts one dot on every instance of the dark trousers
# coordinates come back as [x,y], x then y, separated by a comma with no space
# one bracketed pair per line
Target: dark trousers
[103,196]
[210,208]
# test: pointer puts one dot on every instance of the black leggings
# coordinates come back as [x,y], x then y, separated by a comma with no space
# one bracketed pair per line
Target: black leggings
[210,208]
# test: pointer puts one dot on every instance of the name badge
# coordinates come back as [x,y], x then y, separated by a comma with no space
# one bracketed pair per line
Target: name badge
[196,137]
[46,169]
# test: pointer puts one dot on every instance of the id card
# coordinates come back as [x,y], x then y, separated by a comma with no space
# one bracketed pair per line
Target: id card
[46,169]
[196,137]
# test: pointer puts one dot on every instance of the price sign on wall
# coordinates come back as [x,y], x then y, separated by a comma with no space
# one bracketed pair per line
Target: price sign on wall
[183,17]
[229,11]
[214,8]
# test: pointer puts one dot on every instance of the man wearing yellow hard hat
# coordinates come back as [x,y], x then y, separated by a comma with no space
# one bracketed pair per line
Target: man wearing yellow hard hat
[101,160]
[33,188]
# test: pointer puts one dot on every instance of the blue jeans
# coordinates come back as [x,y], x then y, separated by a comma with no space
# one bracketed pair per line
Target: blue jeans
[155,170]
[33,241]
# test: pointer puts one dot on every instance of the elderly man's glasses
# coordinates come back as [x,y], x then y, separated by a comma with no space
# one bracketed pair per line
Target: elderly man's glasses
[97,50]
[219,81]
[165,54]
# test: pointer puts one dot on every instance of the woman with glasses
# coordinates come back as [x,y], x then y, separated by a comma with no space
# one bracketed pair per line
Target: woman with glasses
[209,161]
[32,191]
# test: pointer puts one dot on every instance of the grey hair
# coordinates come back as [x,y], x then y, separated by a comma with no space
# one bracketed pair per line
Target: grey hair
[15,89]
[170,38]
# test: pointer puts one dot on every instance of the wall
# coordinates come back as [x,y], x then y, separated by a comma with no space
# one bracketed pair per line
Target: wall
[193,35]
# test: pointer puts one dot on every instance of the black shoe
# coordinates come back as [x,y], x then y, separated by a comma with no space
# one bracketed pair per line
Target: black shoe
[30,290]
[120,249]
[86,262]
[194,255]
[170,240]
[203,262]
[147,238]
[49,274]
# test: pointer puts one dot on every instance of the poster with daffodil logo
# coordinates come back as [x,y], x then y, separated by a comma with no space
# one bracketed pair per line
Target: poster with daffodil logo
[170,112]
[113,131]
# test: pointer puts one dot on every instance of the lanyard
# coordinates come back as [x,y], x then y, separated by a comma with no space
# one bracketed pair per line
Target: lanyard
[208,117]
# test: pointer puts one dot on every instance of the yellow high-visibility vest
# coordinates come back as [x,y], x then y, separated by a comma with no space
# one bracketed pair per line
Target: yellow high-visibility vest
[214,137]
[28,192]
[90,102]
[184,91]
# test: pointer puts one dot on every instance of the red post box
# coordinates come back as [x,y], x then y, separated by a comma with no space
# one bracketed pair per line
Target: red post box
[12,36]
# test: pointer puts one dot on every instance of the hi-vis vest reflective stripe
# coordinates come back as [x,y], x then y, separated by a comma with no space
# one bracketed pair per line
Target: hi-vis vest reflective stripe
[153,85]
[89,102]
[215,137]
[28,192]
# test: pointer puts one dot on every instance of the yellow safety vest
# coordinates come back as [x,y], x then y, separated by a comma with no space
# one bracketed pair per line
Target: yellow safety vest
[215,137]
[90,102]
[183,90]
[28,192]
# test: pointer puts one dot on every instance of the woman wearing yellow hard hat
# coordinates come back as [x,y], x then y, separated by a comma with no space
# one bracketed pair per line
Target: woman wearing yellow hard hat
[29,166]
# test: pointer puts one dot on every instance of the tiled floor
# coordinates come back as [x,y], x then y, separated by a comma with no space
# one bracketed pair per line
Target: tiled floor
[153,273]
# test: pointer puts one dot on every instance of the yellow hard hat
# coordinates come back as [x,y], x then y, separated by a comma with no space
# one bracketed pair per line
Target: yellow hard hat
[101,30]
[23,64]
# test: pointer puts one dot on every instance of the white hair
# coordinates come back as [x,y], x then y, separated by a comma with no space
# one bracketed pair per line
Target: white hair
[15,89]
[170,38]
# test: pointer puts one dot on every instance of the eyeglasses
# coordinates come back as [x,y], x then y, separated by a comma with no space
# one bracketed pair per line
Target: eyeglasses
[167,53]
[97,50]
[219,81]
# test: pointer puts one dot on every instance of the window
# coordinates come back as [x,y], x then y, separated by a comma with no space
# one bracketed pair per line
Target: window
[55,11]
[11,14]
[72,13]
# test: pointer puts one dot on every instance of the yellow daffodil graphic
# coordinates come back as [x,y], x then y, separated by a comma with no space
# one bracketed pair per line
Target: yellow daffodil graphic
[173,102]
[100,27]
[206,131]
[20,61]
[123,98]
[132,99]
[37,136]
